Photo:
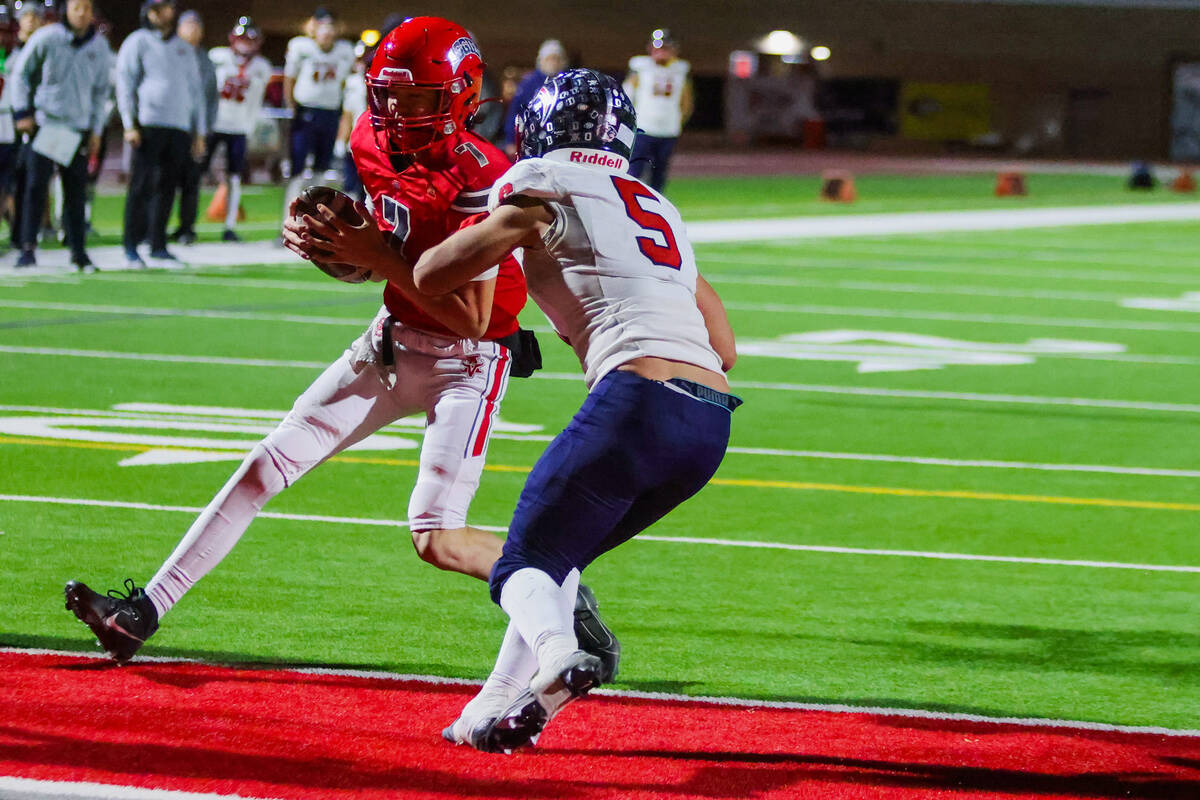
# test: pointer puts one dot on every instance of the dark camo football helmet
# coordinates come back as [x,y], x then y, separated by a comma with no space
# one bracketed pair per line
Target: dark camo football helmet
[577,108]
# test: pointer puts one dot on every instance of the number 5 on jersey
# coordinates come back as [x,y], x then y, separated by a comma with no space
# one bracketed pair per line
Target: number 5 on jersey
[665,253]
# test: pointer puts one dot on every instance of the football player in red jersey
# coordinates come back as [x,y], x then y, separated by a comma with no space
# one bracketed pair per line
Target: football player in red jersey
[448,356]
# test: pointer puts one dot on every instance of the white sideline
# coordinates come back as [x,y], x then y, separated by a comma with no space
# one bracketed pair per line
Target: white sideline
[888,224]
[31,789]
[969,397]
[210,254]
[733,702]
[803,548]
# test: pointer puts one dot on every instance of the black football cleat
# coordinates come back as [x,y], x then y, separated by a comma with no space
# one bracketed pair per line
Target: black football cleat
[522,722]
[122,622]
[594,636]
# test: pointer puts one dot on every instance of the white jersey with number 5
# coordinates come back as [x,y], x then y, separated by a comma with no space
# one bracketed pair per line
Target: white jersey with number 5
[617,277]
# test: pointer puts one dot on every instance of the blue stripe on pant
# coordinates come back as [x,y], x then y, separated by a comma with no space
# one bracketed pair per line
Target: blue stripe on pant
[634,451]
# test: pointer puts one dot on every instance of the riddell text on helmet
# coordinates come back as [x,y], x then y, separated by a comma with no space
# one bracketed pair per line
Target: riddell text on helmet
[595,157]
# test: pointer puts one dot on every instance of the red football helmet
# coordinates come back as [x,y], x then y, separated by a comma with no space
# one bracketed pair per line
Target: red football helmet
[423,85]
[245,39]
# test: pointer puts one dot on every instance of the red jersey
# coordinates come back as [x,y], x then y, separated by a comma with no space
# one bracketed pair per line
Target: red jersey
[426,203]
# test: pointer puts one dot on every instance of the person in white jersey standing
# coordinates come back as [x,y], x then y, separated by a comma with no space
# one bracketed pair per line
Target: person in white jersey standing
[242,78]
[314,74]
[608,261]
[661,87]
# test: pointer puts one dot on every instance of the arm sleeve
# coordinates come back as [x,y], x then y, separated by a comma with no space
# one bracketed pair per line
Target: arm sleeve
[26,78]
[101,90]
[191,68]
[255,99]
[129,75]
[528,178]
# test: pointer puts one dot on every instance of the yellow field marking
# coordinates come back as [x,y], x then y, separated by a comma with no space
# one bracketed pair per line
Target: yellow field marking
[960,495]
[894,491]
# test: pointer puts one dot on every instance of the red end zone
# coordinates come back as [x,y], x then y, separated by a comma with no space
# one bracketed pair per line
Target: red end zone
[287,734]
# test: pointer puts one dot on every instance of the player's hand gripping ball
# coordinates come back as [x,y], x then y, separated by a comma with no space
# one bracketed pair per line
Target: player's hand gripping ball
[342,205]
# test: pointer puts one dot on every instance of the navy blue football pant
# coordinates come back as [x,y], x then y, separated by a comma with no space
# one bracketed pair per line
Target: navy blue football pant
[189,193]
[154,176]
[634,451]
[652,154]
[39,171]
[314,130]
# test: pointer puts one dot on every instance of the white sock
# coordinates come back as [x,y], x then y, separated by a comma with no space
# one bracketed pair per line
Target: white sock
[233,199]
[217,529]
[515,665]
[543,612]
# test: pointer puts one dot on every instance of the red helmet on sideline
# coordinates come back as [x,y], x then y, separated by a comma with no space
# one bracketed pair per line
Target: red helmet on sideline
[423,85]
[245,39]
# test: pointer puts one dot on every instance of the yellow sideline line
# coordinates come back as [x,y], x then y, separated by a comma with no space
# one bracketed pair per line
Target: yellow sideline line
[894,491]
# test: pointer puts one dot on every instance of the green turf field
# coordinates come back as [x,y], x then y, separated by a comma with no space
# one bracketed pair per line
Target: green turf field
[1053,410]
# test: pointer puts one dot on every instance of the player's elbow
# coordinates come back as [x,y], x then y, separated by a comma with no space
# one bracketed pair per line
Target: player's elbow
[728,359]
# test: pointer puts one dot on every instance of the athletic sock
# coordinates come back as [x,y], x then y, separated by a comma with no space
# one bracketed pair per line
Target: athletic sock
[217,529]
[233,199]
[515,665]
[545,620]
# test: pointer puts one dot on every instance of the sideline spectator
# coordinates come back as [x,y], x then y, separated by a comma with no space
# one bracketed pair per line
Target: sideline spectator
[60,93]
[161,103]
[551,60]
[354,105]
[191,30]
[243,76]
[30,16]
[314,74]
[661,90]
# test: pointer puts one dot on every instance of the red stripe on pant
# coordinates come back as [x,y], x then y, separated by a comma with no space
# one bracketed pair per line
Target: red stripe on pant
[485,428]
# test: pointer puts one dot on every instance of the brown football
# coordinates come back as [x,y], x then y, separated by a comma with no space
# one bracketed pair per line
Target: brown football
[341,204]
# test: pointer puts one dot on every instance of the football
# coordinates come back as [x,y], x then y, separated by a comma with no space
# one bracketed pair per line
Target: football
[341,204]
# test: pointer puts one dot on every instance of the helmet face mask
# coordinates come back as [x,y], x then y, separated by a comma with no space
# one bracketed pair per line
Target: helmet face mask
[423,85]
[579,108]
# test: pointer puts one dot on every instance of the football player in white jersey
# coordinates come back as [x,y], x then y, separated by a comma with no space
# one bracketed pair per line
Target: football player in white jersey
[314,74]
[607,259]
[354,105]
[242,78]
[661,88]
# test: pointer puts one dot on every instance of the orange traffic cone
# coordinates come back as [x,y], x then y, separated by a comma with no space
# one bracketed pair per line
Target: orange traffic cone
[1011,184]
[1184,182]
[216,209]
[838,187]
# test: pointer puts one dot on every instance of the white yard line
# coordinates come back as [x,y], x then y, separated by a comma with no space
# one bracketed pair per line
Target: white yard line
[973,397]
[733,702]
[916,288]
[853,263]
[912,394]
[143,311]
[974,319]
[830,549]
[891,224]
[31,789]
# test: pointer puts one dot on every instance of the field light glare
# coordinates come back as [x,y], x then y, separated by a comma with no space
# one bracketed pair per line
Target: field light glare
[781,43]
[821,53]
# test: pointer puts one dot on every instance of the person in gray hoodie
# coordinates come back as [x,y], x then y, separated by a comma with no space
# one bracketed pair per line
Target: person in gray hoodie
[191,30]
[59,92]
[161,101]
